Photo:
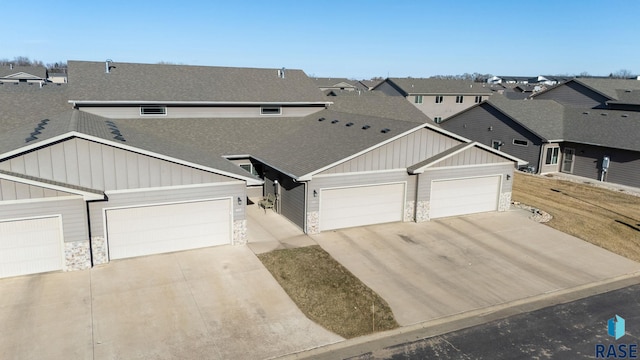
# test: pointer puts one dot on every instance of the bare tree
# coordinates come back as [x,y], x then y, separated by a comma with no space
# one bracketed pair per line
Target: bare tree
[621,74]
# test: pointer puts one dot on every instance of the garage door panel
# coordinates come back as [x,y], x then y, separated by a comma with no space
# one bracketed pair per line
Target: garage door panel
[358,206]
[158,229]
[30,246]
[464,196]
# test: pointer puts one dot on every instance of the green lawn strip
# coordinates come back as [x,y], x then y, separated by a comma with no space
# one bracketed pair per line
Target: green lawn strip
[327,293]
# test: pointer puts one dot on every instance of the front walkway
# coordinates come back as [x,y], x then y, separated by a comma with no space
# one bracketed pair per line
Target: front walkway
[602,184]
[268,231]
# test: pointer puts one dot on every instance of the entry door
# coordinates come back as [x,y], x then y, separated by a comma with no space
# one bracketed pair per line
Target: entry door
[567,160]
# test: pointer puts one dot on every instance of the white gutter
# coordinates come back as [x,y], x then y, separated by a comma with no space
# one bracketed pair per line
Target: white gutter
[156,102]
[85,194]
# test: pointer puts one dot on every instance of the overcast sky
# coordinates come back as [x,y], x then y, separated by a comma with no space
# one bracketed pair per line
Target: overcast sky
[335,38]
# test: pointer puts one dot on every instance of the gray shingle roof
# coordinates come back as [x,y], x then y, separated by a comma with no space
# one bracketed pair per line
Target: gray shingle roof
[20,103]
[325,82]
[542,117]
[376,103]
[158,82]
[440,86]
[611,88]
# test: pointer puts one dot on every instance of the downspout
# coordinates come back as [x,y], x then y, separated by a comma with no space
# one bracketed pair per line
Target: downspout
[306,206]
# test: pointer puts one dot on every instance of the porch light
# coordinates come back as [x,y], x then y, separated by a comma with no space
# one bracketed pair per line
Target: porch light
[315,193]
[239,200]
[508,177]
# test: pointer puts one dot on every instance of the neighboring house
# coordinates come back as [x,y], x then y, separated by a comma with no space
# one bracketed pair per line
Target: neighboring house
[437,98]
[58,77]
[338,84]
[618,94]
[25,74]
[537,80]
[557,138]
[105,179]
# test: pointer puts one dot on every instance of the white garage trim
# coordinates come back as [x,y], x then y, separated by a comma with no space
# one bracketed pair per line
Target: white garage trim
[176,187]
[361,205]
[49,245]
[465,195]
[167,244]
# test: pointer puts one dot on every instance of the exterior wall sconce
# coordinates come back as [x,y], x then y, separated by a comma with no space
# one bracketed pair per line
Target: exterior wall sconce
[315,193]
[239,200]
[508,177]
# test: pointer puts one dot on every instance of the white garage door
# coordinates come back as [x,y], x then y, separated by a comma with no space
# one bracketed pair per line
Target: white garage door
[159,229]
[363,205]
[464,196]
[30,246]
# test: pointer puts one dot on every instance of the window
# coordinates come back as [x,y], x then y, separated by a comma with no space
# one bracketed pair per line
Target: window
[270,110]
[438,99]
[249,168]
[478,99]
[153,110]
[459,99]
[552,156]
[520,142]
[418,99]
[437,119]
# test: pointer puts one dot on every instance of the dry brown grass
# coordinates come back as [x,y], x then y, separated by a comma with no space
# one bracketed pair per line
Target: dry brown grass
[328,293]
[609,219]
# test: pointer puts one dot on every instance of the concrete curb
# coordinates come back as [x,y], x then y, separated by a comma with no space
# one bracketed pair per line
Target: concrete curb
[440,326]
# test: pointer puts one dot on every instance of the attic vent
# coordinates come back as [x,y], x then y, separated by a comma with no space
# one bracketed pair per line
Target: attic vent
[366,127]
[624,115]
[153,110]
[627,91]
[335,121]
[321,119]
[385,130]
[270,110]
[349,124]
[604,114]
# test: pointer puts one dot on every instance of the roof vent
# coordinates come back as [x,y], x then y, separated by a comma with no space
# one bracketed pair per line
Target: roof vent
[624,115]
[108,66]
[335,121]
[604,114]
[585,113]
[321,119]
[627,91]
[385,130]
[349,124]
[281,73]
[366,127]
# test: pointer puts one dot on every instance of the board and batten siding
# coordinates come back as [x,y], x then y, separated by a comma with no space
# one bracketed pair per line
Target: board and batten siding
[344,180]
[162,196]
[475,123]
[186,112]
[624,165]
[102,167]
[574,95]
[471,156]
[14,190]
[400,153]
[425,179]
[72,209]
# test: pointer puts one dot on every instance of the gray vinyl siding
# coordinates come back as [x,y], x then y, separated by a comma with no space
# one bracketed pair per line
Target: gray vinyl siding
[398,154]
[102,167]
[335,181]
[574,95]
[13,190]
[151,197]
[72,209]
[475,123]
[292,201]
[185,112]
[472,156]
[389,89]
[425,179]
[624,166]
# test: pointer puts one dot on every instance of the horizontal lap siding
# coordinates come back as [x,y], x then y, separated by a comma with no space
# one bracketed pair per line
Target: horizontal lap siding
[475,123]
[168,196]
[73,211]
[624,167]
[400,153]
[97,166]
[318,183]
[425,179]
[292,201]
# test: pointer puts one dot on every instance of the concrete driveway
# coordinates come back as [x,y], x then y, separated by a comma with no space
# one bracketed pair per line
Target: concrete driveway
[444,267]
[214,303]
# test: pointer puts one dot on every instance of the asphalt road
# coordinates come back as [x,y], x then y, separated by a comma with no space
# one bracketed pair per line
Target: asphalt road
[567,331]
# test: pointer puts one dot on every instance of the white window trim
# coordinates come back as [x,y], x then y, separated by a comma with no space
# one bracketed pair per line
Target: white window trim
[418,99]
[557,149]
[270,107]
[155,107]
[524,145]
